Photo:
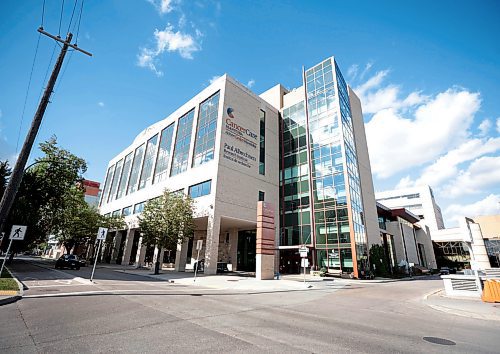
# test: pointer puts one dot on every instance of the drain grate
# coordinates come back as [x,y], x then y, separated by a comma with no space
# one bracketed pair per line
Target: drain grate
[440,341]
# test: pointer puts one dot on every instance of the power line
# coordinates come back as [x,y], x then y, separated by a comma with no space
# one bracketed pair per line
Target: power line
[28,90]
[60,18]
[79,20]
[72,14]
[43,13]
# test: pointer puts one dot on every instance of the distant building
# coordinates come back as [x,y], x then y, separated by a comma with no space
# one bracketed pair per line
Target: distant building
[419,200]
[92,192]
[404,240]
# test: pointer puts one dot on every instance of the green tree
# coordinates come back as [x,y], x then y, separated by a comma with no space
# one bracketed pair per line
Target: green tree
[5,172]
[378,258]
[167,220]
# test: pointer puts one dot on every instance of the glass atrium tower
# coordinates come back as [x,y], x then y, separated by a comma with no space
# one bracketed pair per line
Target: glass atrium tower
[320,185]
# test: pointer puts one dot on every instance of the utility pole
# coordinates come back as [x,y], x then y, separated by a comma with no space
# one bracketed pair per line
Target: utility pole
[17,174]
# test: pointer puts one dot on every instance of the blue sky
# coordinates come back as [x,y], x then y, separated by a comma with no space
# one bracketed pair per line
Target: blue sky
[427,72]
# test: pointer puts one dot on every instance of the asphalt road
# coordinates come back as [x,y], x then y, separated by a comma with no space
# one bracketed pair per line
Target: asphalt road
[63,312]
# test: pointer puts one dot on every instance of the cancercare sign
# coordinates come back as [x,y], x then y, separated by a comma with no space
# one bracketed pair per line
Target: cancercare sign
[243,143]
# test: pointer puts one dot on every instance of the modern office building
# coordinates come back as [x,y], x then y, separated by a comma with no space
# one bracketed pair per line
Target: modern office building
[302,150]
[419,200]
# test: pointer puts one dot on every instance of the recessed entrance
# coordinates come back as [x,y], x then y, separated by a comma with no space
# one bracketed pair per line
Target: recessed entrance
[246,250]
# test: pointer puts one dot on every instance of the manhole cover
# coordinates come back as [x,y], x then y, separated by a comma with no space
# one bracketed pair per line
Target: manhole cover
[440,341]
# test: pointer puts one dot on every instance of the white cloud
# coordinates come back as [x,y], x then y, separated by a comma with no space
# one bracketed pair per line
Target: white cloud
[352,72]
[446,167]
[487,206]
[213,79]
[100,104]
[398,143]
[163,6]
[365,71]
[484,127]
[250,83]
[479,176]
[171,41]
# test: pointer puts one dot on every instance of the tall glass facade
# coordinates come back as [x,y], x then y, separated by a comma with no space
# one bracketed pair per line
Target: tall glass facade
[163,154]
[115,181]
[205,133]
[182,142]
[124,178]
[107,185]
[136,167]
[147,165]
[320,187]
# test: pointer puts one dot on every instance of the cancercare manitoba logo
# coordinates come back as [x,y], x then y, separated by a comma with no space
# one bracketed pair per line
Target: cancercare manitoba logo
[230,112]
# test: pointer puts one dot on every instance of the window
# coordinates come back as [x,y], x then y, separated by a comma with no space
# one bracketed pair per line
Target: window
[262,143]
[261,196]
[139,207]
[116,213]
[134,174]
[124,177]
[127,211]
[163,154]
[200,189]
[147,166]
[182,142]
[205,133]
[107,185]
[116,180]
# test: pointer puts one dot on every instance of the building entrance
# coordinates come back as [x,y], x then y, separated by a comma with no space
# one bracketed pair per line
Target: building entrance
[246,250]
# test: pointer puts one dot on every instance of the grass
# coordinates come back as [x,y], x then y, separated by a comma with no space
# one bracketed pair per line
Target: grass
[7,283]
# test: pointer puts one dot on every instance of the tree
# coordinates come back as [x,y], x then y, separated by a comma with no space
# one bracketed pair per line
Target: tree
[379,259]
[167,220]
[5,172]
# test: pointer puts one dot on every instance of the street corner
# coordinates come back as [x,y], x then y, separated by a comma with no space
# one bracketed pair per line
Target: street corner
[10,296]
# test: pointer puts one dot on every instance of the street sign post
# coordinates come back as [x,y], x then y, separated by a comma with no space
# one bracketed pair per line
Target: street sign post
[16,233]
[101,235]
[304,250]
[199,246]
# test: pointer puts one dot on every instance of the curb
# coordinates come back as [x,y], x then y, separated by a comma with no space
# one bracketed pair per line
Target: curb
[19,296]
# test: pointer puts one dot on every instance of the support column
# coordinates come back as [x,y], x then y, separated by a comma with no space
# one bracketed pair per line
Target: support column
[181,255]
[141,254]
[116,245]
[233,251]
[129,242]
[264,262]
[212,249]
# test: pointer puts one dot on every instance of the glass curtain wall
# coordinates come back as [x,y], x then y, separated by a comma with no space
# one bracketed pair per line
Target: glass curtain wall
[136,167]
[124,178]
[163,154]
[115,181]
[182,142]
[295,213]
[107,185]
[205,134]
[147,166]
[262,143]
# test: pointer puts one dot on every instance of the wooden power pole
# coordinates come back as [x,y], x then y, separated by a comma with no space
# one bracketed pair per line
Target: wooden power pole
[18,171]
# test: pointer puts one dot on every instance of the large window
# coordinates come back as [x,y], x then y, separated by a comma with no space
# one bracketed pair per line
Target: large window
[139,207]
[262,153]
[127,211]
[205,134]
[136,165]
[200,189]
[182,142]
[124,178]
[163,154]
[107,185]
[116,180]
[147,166]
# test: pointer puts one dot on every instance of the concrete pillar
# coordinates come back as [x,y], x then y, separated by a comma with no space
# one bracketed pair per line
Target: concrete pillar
[141,254]
[181,255]
[127,249]
[233,251]
[116,246]
[265,243]
[212,248]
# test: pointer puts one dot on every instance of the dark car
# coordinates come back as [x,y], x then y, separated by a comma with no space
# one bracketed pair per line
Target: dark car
[68,261]
[447,271]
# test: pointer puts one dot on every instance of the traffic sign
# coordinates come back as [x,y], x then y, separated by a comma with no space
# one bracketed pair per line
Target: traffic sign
[304,262]
[303,251]
[101,234]
[17,232]
[199,245]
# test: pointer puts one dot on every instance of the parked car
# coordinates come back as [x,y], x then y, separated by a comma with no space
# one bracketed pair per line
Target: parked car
[68,261]
[447,271]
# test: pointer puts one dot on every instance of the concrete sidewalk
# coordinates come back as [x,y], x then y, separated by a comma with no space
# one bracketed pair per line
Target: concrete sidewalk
[220,281]
[463,306]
